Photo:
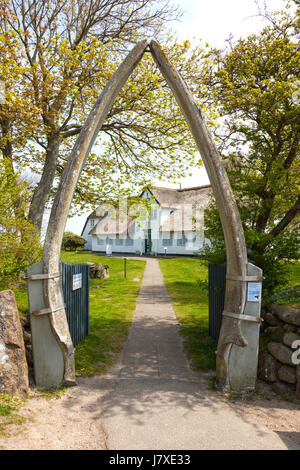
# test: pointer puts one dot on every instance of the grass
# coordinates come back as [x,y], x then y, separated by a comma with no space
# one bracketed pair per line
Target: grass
[20,290]
[190,302]
[111,310]
[8,416]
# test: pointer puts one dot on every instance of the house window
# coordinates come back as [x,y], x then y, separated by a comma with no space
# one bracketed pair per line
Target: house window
[100,241]
[92,222]
[153,214]
[168,241]
[129,242]
[119,241]
[109,241]
[181,241]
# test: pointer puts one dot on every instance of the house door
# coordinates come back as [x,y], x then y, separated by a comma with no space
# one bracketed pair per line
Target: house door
[148,242]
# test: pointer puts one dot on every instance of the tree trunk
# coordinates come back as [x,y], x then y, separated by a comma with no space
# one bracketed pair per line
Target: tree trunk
[43,189]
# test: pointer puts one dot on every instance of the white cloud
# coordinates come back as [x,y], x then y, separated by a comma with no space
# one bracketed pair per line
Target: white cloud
[214,20]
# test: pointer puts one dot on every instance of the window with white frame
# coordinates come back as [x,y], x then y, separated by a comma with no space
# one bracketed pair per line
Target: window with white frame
[168,241]
[119,241]
[100,241]
[181,241]
[109,241]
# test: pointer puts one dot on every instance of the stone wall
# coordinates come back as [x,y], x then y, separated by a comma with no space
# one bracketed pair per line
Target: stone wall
[278,356]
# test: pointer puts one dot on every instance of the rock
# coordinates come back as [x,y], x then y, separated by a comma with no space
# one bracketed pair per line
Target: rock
[27,337]
[270,319]
[282,388]
[25,322]
[286,314]
[13,364]
[281,353]
[275,332]
[290,338]
[287,374]
[98,271]
[288,327]
[29,356]
[267,367]
[298,382]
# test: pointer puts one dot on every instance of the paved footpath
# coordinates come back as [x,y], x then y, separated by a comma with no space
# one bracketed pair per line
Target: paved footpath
[153,400]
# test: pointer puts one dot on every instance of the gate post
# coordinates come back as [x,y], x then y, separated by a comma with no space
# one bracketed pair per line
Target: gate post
[242,368]
[48,358]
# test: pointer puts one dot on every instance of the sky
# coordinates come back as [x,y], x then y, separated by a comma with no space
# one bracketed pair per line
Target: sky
[213,21]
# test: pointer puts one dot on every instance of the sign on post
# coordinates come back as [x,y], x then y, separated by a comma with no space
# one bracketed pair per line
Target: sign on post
[77,281]
[254,292]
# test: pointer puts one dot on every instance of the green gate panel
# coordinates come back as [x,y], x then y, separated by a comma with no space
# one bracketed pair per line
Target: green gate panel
[75,286]
[216,287]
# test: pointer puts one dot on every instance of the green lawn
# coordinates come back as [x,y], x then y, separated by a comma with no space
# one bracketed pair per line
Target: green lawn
[190,302]
[111,311]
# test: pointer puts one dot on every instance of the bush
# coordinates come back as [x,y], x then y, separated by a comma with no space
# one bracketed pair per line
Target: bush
[19,239]
[71,241]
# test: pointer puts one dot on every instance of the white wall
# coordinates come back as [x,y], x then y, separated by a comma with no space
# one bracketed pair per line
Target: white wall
[91,223]
[138,244]
[188,249]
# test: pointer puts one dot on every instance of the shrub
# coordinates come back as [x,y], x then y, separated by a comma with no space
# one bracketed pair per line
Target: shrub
[71,241]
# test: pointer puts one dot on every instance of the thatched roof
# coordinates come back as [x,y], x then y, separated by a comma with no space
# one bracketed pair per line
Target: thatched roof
[172,198]
[188,205]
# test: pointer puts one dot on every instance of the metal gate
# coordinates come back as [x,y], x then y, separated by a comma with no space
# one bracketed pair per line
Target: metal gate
[216,287]
[75,286]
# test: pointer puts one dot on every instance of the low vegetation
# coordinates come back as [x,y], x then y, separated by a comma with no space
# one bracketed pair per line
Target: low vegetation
[8,413]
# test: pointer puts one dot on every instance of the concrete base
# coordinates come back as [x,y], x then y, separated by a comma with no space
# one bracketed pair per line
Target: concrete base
[243,360]
[48,358]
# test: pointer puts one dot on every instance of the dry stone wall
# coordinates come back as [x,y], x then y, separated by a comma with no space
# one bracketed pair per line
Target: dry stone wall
[279,357]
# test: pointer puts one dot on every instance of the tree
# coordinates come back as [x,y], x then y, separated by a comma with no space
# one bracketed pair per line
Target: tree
[19,239]
[253,86]
[57,55]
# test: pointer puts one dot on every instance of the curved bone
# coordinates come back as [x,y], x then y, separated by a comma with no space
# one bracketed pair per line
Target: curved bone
[51,254]
[233,231]
[235,297]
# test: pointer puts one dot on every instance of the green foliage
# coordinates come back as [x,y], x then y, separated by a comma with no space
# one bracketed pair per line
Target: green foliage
[19,240]
[71,241]
[54,66]
[255,85]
